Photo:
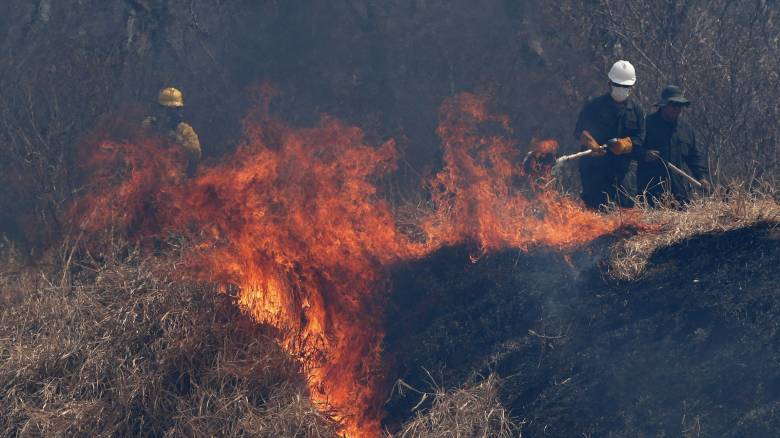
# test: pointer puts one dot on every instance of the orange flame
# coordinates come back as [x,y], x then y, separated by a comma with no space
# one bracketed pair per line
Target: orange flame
[293,218]
[478,188]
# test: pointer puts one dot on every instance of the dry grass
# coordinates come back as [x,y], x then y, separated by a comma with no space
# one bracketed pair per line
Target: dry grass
[472,411]
[727,209]
[120,346]
[13,276]
[117,347]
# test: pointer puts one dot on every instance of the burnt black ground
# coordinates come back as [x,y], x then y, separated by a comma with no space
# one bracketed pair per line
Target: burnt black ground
[690,349]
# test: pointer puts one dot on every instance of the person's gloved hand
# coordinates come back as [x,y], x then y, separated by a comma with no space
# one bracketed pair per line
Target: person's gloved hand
[705,185]
[587,141]
[620,146]
[189,141]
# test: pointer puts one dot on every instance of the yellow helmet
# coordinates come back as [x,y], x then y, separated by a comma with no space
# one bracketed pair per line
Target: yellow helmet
[170,97]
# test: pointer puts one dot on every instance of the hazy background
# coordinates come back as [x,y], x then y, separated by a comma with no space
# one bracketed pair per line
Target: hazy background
[384,66]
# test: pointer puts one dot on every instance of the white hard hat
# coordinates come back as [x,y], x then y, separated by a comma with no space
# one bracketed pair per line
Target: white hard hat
[622,73]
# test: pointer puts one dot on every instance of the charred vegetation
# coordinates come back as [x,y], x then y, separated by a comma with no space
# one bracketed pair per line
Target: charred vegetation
[687,350]
[363,210]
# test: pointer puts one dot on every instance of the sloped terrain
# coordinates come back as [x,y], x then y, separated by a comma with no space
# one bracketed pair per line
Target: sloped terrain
[689,349]
[116,347]
[113,349]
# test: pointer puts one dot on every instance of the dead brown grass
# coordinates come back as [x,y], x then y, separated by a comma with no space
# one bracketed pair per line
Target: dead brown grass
[727,209]
[13,275]
[117,347]
[472,411]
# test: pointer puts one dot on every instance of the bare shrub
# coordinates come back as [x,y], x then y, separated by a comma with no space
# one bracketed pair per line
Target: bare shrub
[41,121]
[725,55]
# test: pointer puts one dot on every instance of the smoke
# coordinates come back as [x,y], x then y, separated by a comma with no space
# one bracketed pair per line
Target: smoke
[294,219]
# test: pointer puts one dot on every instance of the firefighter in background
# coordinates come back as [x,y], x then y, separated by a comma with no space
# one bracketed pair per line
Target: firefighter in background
[670,140]
[169,120]
[613,119]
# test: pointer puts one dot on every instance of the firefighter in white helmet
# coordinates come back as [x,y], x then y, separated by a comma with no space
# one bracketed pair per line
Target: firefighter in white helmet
[169,120]
[616,120]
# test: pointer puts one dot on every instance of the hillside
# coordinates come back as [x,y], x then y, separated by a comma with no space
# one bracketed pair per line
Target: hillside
[546,340]
[362,246]
[111,345]
[689,349]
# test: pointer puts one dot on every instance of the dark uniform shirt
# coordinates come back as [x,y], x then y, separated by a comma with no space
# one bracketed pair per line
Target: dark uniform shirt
[676,143]
[605,119]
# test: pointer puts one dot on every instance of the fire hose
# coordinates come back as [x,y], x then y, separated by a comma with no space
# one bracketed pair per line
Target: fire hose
[585,153]
[669,165]
[682,173]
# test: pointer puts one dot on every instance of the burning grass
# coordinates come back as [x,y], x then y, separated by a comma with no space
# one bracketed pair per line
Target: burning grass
[727,209]
[117,347]
[294,220]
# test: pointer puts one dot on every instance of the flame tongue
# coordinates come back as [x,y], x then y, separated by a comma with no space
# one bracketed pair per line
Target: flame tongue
[300,229]
[294,220]
[478,188]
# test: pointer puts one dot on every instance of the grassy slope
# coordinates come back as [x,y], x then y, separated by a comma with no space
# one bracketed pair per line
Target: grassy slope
[690,348]
[118,348]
